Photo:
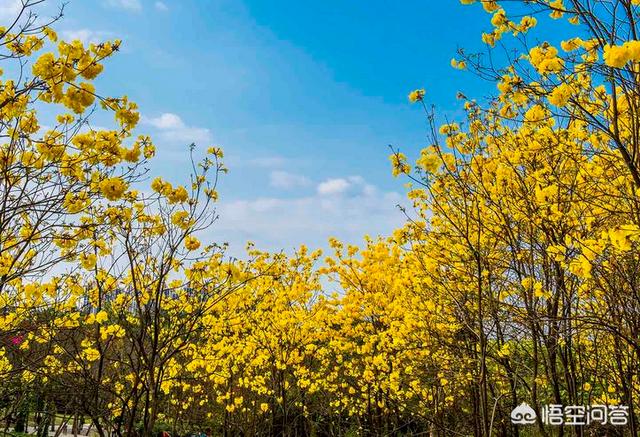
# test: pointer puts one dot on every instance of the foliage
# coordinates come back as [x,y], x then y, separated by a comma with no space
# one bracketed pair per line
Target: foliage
[515,278]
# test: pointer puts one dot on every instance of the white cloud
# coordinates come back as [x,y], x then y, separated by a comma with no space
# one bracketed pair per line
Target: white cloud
[333,186]
[130,5]
[161,6]
[87,36]
[9,9]
[286,180]
[174,130]
[277,223]
[352,185]
[167,121]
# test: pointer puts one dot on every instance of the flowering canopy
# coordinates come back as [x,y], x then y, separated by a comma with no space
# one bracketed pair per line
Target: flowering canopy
[514,280]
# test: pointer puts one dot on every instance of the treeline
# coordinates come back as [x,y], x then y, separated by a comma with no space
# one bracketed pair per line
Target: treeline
[515,278]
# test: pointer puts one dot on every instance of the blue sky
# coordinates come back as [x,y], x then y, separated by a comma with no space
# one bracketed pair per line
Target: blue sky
[304,97]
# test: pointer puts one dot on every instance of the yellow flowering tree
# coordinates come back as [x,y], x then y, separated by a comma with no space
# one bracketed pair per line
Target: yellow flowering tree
[531,203]
[514,279]
[55,167]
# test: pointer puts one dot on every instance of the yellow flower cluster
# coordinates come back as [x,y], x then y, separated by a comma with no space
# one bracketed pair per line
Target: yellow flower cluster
[174,195]
[113,188]
[416,95]
[545,59]
[617,56]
